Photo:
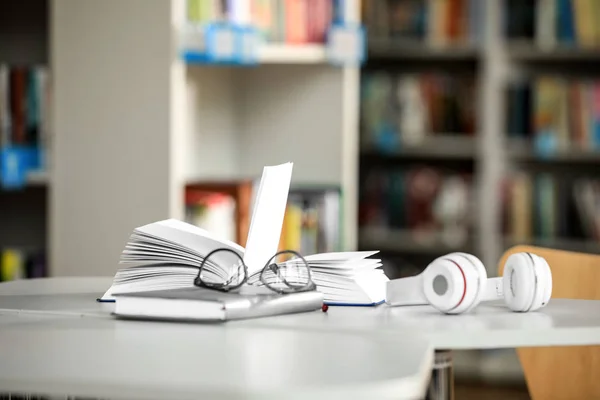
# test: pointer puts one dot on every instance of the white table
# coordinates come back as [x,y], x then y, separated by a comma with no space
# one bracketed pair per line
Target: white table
[562,323]
[106,358]
[68,344]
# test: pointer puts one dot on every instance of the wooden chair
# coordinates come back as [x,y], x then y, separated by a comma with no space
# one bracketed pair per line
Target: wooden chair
[571,372]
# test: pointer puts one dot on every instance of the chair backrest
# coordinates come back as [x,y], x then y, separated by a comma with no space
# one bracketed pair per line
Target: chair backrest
[571,372]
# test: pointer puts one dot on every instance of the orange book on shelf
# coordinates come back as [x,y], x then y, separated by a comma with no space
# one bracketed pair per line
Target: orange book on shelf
[437,24]
[453,23]
[296,21]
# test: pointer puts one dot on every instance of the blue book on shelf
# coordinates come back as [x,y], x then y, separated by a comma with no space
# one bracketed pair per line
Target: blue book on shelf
[14,165]
[565,24]
[594,99]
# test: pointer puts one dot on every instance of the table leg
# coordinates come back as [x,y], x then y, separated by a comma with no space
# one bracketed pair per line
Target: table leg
[441,386]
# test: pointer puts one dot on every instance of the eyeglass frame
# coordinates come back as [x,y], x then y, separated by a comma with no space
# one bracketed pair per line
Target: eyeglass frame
[273,267]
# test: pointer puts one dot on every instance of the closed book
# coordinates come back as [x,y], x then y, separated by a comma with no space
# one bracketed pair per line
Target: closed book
[198,304]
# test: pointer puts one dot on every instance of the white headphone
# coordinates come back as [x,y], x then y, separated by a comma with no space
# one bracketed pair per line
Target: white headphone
[457,283]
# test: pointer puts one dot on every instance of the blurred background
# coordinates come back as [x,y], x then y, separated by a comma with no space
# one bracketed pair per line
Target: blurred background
[471,126]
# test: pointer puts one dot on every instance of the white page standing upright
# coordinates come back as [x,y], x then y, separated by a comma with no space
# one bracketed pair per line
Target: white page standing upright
[267,216]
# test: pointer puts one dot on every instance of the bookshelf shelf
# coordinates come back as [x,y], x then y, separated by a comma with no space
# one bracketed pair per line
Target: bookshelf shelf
[568,244]
[38,178]
[419,50]
[217,122]
[444,147]
[529,52]
[404,241]
[568,157]
[523,151]
[290,54]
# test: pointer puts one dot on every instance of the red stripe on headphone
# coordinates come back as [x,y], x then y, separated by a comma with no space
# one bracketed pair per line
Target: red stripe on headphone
[464,281]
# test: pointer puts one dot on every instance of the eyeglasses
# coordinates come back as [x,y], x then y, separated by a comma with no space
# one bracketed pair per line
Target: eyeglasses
[286,272]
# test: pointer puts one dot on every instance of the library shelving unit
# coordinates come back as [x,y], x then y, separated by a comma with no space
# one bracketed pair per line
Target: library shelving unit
[24,216]
[406,46]
[134,124]
[515,42]
[554,147]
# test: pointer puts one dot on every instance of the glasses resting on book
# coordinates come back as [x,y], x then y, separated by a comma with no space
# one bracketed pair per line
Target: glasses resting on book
[286,272]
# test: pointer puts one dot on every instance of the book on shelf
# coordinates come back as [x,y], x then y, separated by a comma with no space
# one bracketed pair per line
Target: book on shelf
[549,207]
[24,114]
[406,109]
[167,254]
[563,112]
[552,24]
[292,22]
[17,263]
[215,212]
[221,207]
[437,23]
[312,221]
[432,205]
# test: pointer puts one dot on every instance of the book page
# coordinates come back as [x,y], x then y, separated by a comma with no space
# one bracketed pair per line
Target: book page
[267,216]
[181,235]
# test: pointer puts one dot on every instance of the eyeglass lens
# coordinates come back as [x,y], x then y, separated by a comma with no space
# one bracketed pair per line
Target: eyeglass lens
[223,268]
[286,271]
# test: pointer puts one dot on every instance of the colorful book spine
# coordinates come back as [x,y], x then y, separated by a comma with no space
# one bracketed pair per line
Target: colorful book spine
[595,116]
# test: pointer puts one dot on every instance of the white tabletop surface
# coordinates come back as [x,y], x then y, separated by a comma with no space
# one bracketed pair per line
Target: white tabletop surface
[68,344]
[116,359]
[563,322]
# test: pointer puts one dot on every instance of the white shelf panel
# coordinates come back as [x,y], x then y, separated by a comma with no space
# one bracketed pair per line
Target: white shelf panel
[292,54]
[38,178]
[433,146]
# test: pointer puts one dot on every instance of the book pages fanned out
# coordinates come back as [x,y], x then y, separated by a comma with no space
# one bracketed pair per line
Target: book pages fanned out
[167,254]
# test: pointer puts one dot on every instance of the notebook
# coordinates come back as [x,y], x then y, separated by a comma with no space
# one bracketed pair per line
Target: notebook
[167,254]
[197,304]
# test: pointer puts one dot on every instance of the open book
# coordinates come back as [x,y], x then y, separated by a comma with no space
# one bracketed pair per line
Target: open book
[167,254]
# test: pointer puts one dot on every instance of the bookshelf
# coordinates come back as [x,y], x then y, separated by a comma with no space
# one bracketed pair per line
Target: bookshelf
[205,122]
[501,43]
[516,42]
[24,56]
[169,125]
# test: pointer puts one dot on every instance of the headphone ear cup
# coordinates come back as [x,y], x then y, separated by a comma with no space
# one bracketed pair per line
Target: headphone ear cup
[519,281]
[541,278]
[444,284]
[544,282]
[452,284]
[549,282]
[482,272]
[481,278]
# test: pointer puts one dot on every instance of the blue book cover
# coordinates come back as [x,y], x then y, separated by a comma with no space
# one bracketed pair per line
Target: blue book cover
[565,23]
